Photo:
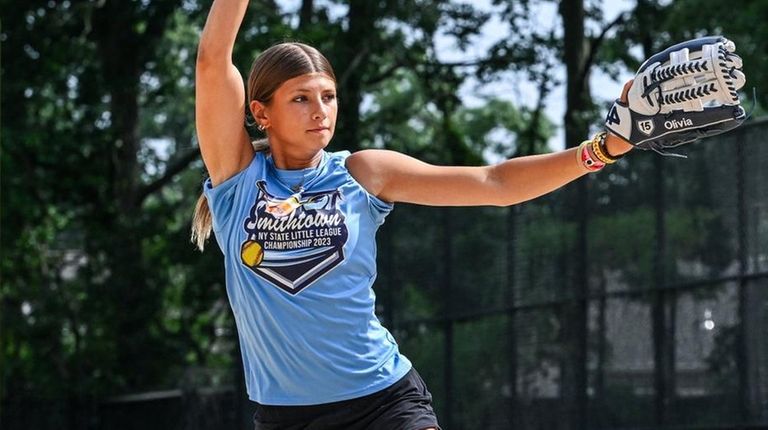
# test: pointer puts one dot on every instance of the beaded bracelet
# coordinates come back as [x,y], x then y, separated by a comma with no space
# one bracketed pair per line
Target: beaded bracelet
[585,158]
[604,147]
[601,151]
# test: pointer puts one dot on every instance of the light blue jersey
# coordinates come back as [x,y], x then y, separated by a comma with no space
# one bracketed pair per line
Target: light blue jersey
[300,262]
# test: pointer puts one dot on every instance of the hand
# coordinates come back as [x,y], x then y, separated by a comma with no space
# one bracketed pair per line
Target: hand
[613,142]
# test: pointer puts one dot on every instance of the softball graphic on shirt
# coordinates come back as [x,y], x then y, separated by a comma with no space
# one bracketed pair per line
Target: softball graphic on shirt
[294,241]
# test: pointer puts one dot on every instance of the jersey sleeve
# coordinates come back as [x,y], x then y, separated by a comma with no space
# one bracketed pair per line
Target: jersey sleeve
[223,202]
[378,208]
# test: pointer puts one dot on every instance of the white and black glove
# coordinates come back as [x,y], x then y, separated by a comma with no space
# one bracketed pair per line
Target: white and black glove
[684,93]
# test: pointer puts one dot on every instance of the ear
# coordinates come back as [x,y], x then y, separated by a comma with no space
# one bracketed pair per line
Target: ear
[258,110]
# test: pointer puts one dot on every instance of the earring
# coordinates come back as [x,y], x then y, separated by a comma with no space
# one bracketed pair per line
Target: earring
[261,127]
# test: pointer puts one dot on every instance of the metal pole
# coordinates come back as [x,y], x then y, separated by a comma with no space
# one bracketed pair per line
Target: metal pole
[742,356]
[659,325]
[448,325]
[511,326]
[582,285]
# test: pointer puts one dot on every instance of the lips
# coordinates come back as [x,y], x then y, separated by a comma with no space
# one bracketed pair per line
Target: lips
[318,130]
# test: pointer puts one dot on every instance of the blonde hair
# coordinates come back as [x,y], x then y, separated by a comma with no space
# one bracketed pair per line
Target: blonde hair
[274,66]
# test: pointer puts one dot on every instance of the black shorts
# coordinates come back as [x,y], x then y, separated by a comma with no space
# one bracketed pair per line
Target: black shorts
[405,405]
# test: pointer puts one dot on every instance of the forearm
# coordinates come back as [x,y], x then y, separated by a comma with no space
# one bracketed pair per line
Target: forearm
[525,178]
[218,37]
[521,179]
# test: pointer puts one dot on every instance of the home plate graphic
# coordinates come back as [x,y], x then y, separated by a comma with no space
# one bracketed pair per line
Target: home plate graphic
[294,241]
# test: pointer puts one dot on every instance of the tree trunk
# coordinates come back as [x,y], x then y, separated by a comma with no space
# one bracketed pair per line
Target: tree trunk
[353,52]
[663,304]
[305,13]
[574,315]
[123,53]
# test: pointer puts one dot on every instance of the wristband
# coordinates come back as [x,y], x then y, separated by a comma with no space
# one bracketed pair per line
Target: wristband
[585,158]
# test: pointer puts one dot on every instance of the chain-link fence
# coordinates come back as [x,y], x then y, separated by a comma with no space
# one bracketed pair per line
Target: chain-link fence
[635,298]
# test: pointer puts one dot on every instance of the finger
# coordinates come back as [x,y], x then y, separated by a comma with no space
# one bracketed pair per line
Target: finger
[625,91]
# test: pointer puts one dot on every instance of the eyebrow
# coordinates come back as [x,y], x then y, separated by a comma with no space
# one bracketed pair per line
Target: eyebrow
[305,90]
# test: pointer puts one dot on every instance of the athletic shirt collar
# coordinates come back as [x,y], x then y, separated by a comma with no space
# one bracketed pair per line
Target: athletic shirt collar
[298,179]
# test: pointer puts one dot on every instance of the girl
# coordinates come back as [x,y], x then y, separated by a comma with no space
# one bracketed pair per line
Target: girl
[297,224]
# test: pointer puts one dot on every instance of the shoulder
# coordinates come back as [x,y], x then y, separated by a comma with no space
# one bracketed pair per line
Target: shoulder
[361,161]
[381,162]
[369,167]
[370,160]
[376,169]
[221,176]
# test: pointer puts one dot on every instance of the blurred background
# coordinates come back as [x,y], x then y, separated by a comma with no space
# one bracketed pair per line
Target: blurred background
[634,298]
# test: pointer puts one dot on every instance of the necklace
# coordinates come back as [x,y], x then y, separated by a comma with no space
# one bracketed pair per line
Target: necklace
[306,176]
[297,188]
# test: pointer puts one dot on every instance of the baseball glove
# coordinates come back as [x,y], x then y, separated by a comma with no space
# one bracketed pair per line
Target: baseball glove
[684,93]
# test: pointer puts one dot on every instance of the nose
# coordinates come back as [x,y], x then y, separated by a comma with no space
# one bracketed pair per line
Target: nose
[319,113]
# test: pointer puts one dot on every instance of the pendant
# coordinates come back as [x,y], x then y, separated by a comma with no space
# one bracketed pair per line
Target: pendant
[282,208]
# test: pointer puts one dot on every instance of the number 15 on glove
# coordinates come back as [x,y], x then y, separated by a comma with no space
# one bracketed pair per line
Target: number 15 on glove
[680,95]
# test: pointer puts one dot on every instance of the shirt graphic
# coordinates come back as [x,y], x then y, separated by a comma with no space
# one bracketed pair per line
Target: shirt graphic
[294,241]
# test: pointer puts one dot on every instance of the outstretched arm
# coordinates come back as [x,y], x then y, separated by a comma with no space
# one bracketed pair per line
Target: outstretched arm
[396,177]
[220,94]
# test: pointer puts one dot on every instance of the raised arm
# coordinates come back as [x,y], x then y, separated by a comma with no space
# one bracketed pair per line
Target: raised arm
[220,94]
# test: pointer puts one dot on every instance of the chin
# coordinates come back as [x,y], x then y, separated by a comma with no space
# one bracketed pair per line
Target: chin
[315,145]
[324,141]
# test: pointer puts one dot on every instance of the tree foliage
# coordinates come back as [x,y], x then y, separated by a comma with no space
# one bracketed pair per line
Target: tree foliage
[101,167]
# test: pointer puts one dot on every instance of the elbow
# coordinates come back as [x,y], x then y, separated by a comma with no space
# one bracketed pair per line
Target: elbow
[502,194]
[209,56]
[204,59]
[516,197]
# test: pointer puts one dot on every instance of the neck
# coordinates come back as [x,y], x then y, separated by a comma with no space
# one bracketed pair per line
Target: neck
[286,161]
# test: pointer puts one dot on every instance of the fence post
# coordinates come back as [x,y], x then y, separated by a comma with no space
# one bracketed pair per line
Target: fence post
[662,342]
[573,388]
[447,285]
[742,354]
[512,312]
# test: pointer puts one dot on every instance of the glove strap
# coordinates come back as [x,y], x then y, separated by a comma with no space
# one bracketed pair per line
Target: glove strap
[584,157]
